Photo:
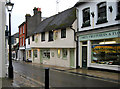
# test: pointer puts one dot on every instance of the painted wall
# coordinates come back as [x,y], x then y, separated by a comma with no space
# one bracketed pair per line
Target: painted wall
[2,38]
[54,59]
[93,8]
[67,42]
[21,34]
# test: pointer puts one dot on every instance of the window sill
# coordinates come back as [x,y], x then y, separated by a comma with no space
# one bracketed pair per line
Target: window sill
[64,58]
[86,24]
[102,20]
[50,40]
[42,40]
[63,37]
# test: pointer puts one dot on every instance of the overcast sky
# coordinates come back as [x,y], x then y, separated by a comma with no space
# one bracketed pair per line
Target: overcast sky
[48,8]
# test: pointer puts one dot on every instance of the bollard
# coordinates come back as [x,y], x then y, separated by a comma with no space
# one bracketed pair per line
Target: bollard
[46,78]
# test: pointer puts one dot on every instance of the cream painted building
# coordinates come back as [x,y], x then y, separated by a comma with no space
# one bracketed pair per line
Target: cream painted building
[2,38]
[99,34]
[53,42]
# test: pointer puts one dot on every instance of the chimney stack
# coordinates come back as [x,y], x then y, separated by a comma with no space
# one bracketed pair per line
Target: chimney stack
[27,16]
[36,10]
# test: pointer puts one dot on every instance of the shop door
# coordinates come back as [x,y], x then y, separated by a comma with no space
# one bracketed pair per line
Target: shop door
[84,56]
[72,59]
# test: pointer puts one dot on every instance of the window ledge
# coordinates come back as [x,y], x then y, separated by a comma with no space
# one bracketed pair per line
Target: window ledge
[42,40]
[50,40]
[86,24]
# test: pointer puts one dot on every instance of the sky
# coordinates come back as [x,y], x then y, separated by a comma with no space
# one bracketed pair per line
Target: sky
[48,8]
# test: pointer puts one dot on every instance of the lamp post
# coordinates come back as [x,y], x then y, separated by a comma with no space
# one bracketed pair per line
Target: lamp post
[9,6]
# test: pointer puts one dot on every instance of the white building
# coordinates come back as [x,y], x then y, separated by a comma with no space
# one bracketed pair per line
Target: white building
[2,38]
[53,41]
[99,34]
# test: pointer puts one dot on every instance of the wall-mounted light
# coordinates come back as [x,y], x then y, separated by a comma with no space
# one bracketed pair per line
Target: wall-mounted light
[92,13]
[111,9]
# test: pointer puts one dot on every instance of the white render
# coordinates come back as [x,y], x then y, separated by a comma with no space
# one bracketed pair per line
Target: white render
[58,43]
[111,21]
[2,38]
[93,8]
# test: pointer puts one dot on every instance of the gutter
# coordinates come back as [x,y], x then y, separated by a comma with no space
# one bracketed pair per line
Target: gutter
[77,56]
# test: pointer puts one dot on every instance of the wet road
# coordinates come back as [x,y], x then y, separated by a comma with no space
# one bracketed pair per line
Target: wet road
[60,78]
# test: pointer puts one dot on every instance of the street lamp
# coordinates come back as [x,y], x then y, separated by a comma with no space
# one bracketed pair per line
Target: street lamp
[9,6]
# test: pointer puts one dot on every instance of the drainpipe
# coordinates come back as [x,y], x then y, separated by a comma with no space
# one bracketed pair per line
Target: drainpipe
[76,46]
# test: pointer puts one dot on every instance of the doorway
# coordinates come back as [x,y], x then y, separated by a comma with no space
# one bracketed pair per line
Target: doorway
[72,58]
[84,56]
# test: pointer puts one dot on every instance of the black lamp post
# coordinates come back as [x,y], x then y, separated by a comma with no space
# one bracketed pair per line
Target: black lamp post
[9,6]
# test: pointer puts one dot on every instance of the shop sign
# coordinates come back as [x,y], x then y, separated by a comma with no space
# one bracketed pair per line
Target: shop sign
[102,35]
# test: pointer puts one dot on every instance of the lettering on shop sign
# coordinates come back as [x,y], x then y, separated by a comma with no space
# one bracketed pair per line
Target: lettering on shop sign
[102,35]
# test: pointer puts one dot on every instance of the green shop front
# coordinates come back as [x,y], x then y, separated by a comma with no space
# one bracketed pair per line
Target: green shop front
[100,50]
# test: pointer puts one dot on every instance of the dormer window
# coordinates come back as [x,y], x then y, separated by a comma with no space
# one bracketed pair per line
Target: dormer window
[86,17]
[102,13]
[118,11]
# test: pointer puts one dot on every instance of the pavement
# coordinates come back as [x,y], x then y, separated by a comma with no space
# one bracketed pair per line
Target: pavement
[21,80]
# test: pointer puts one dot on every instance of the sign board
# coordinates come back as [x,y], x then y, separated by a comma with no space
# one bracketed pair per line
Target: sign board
[102,35]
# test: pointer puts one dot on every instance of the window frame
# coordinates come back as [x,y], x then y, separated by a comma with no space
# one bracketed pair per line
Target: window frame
[64,56]
[102,13]
[35,55]
[43,36]
[50,36]
[23,40]
[23,29]
[63,33]
[45,53]
[29,53]
[86,17]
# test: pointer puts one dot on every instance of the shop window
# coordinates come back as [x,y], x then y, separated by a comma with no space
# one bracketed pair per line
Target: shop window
[63,33]
[107,52]
[34,53]
[118,11]
[102,13]
[43,36]
[86,17]
[46,54]
[59,53]
[50,35]
[64,53]
[33,38]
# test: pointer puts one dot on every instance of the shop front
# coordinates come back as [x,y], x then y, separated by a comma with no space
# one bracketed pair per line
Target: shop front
[103,50]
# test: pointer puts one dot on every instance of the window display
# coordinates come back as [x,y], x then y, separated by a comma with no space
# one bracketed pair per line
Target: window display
[106,54]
